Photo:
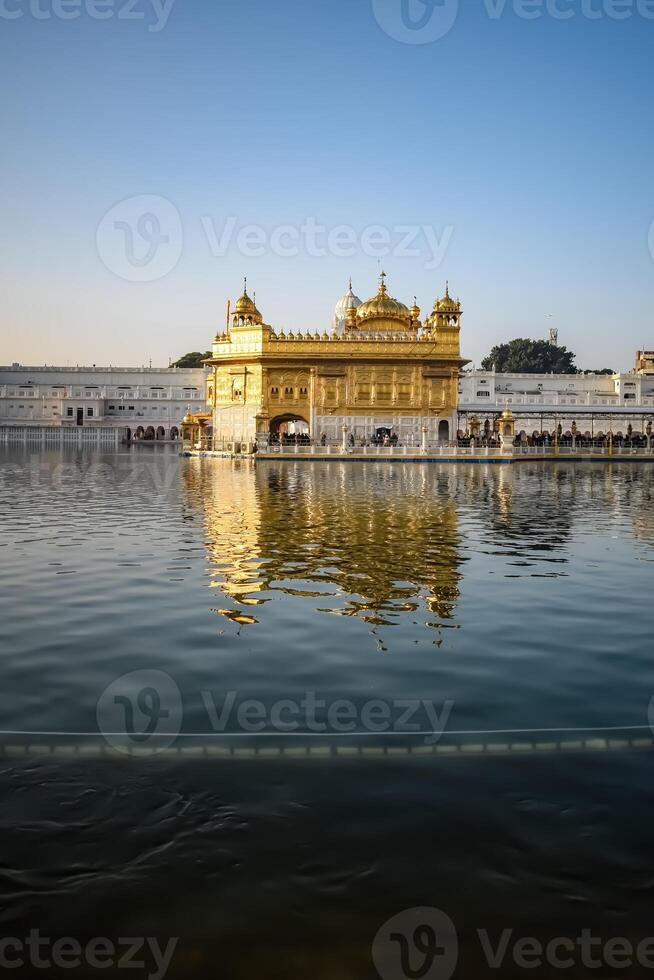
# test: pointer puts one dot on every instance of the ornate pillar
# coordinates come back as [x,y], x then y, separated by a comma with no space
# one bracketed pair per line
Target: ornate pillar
[344,430]
[262,420]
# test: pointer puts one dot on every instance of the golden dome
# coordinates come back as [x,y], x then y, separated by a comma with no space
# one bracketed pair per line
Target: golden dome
[246,307]
[187,420]
[415,309]
[507,414]
[447,304]
[384,307]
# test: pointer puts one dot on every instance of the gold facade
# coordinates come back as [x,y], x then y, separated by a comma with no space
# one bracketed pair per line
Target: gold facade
[384,368]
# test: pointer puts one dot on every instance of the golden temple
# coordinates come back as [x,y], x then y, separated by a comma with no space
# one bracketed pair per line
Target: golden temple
[379,372]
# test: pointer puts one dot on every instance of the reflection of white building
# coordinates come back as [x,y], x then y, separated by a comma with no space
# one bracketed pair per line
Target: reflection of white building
[595,402]
[131,403]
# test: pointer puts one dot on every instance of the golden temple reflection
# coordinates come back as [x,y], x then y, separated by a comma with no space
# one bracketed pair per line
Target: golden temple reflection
[377,544]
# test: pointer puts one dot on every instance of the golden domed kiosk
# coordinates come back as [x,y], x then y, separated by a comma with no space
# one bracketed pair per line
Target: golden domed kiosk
[379,369]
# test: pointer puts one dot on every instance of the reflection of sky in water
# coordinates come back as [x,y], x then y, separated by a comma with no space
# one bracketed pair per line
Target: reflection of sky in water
[517,592]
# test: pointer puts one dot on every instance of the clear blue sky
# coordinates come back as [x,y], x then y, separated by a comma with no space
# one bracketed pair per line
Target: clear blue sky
[527,141]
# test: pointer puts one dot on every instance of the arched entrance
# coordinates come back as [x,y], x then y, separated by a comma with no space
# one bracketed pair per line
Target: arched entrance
[149,433]
[289,430]
[140,432]
[174,433]
[444,431]
[161,433]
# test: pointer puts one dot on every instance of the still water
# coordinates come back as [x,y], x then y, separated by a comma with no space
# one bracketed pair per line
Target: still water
[372,668]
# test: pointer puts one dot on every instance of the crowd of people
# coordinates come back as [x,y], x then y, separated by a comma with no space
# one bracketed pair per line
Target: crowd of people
[485,440]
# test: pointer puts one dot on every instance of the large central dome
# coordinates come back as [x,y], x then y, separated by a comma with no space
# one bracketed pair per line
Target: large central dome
[382,312]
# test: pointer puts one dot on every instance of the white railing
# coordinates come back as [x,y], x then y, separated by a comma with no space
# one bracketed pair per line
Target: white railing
[60,435]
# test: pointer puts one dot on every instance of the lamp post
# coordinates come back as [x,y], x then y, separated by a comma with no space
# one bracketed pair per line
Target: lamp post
[344,429]
[573,429]
[648,432]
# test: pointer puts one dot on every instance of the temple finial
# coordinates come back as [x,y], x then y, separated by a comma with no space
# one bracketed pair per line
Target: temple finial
[382,282]
[447,289]
[245,285]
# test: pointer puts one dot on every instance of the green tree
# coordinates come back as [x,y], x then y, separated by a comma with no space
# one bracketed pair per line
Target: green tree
[530,357]
[603,371]
[191,360]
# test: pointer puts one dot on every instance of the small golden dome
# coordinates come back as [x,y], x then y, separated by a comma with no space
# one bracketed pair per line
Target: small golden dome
[245,306]
[415,309]
[187,420]
[447,304]
[507,414]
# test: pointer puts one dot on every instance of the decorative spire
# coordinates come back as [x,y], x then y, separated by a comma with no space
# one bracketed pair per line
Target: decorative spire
[382,283]
[447,289]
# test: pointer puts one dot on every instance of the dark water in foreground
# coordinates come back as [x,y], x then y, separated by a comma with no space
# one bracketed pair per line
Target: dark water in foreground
[305,609]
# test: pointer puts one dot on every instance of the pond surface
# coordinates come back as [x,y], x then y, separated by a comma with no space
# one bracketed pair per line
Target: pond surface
[392,686]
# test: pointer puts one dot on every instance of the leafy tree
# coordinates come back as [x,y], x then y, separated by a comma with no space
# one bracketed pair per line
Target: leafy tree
[603,371]
[530,357]
[192,360]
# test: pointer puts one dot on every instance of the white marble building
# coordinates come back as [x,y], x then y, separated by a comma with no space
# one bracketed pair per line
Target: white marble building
[539,402]
[130,403]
